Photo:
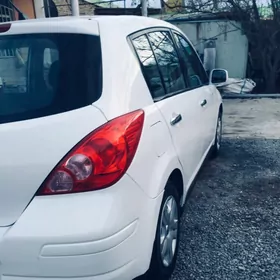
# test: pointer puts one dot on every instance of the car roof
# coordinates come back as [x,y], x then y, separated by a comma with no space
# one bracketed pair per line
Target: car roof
[133,22]
[130,24]
[126,24]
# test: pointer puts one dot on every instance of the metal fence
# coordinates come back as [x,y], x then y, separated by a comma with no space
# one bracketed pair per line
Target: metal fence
[55,8]
[6,11]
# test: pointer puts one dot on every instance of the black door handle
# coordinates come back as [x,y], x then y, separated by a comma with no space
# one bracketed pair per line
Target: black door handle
[203,103]
[176,119]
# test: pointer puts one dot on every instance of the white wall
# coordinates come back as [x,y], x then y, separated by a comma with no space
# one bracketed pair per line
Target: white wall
[231,44]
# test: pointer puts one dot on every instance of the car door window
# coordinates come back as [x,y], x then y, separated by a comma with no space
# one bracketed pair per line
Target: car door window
[193,69]
[149,66]
[168,61]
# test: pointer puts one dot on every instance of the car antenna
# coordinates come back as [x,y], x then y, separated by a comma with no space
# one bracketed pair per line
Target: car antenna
[21,15]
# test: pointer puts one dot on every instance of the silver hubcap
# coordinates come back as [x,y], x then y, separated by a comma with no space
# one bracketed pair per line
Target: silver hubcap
[219,133]
[168,231]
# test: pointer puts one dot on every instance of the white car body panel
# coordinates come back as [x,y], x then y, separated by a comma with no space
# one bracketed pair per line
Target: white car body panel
[161,161]
[106,234]
[93,224]
[31,150]
[186,133]
[56,25]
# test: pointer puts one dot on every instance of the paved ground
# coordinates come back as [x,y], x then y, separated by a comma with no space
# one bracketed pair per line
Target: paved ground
[231,222]
[252,118]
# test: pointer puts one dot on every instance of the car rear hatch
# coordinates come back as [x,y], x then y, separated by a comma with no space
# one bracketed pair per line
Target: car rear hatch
[48,82]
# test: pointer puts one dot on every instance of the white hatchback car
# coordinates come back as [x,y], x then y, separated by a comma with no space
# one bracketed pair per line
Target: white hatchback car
[105,122]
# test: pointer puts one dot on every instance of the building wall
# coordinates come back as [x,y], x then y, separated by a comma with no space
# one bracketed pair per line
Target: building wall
[231,43]
[65,10]
[26,6]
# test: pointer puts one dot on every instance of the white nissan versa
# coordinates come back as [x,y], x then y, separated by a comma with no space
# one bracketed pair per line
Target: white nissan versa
[105,122]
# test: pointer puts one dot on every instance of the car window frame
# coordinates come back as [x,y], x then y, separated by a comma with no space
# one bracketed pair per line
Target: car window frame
[145,32]
[180,34]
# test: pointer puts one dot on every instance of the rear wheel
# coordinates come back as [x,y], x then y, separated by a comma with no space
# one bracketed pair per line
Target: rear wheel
[167,236]
[218,138]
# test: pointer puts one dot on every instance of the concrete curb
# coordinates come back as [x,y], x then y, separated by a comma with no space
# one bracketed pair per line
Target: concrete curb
[250,96]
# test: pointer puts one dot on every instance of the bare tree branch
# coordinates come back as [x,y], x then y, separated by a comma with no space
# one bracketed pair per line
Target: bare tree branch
[260,22]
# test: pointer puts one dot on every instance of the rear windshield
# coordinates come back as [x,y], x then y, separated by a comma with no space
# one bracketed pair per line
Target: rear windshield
[46,74]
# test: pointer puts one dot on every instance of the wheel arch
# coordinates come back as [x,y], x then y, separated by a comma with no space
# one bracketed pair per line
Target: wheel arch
[176,177]
[221,109]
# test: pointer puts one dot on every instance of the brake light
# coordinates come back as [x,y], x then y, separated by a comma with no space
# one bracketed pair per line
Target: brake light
[99,160]
[5,27]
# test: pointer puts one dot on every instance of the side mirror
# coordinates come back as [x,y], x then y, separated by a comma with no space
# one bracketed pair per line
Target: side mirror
[218,76]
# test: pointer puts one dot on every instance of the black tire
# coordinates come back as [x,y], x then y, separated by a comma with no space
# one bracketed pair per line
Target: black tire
[157,268]
[217,144]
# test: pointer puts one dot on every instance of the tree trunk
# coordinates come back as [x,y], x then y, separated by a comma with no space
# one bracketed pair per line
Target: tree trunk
[270,65]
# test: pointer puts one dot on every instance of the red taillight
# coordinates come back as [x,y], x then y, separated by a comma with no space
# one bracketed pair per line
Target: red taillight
[99,160]
[5,27]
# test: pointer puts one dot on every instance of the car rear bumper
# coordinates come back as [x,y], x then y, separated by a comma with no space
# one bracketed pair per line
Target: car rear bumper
[100,235]
[118,274]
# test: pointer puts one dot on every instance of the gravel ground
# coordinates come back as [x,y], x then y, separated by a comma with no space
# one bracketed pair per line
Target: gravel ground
[230,226]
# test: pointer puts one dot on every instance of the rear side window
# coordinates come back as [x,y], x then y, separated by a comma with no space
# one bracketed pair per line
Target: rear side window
[193,69]
[46,74]
[168,61]
[149,66]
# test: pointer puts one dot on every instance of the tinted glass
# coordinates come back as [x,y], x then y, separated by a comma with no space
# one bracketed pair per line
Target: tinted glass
[149,66]
[168,61]
[45,74]
[193,69]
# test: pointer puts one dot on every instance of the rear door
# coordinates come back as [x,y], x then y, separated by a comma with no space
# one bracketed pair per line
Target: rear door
[49,83]
[198,81]
[164,75]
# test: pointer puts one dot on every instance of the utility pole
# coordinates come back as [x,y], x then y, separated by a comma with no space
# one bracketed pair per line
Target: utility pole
[75,8]
[144,8]
[39,8]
